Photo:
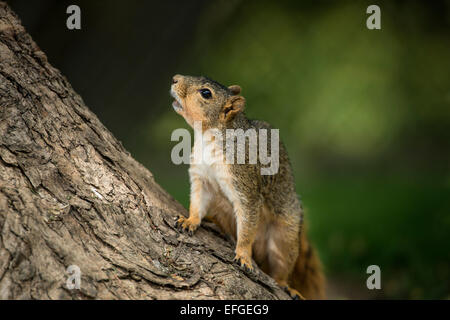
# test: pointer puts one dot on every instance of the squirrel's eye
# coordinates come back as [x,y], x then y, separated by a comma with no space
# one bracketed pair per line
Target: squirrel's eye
[205,93]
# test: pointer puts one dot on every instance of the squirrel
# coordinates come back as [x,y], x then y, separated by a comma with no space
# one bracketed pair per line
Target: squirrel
[262,213]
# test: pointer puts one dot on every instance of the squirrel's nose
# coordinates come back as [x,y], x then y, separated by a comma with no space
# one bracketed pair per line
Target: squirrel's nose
[176,78]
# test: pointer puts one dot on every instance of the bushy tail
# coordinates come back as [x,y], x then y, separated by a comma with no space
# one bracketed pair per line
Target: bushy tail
[307,276]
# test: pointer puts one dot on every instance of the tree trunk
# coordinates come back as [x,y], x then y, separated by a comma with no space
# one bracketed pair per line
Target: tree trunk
[70,194]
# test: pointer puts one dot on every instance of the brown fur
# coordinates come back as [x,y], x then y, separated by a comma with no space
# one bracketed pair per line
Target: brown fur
[262,213]
[307,275]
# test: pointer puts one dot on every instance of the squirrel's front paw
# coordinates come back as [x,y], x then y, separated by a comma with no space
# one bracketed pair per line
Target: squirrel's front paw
[186,224]
[244,261]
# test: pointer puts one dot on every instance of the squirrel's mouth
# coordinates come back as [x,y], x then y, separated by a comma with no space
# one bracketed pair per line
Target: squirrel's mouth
[177,106]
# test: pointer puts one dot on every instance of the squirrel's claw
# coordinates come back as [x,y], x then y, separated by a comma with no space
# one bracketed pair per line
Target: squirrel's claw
[178,225]
[246,264]
[294,294]
[183,224]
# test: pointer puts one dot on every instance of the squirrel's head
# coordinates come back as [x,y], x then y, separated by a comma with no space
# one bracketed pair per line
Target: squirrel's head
[203,99]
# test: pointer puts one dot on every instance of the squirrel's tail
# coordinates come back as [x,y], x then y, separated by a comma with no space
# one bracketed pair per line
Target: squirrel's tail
[307,276]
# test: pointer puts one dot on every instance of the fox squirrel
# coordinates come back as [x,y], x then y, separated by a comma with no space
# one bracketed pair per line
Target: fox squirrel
[261,212]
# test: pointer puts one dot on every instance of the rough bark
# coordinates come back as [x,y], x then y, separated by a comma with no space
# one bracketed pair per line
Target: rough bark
[70,194]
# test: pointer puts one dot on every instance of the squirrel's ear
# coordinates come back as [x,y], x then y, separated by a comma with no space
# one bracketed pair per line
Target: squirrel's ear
[233,106]
[235,89]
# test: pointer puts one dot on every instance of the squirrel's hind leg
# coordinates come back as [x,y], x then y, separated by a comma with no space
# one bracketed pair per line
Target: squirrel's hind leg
[282,253]
[221,213]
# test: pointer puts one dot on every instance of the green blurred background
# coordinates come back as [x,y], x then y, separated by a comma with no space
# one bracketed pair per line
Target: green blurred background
[365,114]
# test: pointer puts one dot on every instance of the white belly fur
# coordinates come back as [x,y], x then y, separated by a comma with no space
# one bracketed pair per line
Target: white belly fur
[207,163]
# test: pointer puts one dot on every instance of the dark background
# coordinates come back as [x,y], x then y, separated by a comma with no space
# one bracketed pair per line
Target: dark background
[365,114]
